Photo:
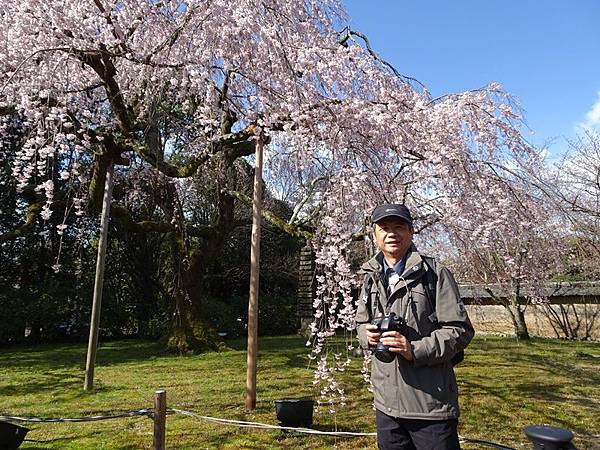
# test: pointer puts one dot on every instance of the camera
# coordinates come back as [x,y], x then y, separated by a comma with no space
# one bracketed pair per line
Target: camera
[389,322]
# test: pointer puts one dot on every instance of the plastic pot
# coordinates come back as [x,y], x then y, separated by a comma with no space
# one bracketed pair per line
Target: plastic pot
[294,413]
[11,435]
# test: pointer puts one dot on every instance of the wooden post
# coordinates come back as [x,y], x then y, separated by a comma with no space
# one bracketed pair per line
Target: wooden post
[254,280]
[160,419]
[99,280]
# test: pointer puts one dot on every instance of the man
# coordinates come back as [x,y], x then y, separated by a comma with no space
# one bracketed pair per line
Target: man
[415,395]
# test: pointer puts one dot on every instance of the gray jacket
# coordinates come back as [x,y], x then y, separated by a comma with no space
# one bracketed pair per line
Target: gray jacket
[424,388]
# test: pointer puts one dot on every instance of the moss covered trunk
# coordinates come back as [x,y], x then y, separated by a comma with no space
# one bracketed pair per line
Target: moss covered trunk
[194,261]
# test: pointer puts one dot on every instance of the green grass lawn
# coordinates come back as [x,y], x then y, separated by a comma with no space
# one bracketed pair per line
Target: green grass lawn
[505,385]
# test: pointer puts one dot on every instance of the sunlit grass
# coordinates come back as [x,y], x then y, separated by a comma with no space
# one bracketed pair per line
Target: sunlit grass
[505,385]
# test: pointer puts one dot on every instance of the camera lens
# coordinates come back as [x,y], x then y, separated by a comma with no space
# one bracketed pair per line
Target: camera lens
[383,354]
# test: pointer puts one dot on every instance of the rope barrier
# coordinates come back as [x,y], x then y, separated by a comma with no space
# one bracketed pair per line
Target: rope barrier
[239,423]
[149,412]
[245,424]
[137,412]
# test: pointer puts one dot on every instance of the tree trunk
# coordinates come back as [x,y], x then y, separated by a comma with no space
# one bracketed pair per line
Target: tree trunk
[193,263]
[189,332]
[518,317]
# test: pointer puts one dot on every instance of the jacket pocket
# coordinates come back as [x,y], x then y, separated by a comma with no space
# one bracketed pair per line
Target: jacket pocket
[427,390]
[384,381]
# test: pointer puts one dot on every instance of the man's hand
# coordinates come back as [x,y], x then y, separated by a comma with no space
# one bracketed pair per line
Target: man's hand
[373,334]
[396,343]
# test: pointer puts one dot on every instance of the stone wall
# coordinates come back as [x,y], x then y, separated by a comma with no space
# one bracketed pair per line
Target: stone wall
[494,319]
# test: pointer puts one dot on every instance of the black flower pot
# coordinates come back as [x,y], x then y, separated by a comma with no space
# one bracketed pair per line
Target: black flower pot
[294,413]
[11,435]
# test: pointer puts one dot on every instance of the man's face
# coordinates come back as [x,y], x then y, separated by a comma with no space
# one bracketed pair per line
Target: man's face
[393,237]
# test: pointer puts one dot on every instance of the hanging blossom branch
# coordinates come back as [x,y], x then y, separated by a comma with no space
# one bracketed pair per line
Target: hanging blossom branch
[347,33]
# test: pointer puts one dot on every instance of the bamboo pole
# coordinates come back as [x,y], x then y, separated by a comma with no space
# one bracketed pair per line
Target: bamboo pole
[99,280]
[160,420]
[254,280]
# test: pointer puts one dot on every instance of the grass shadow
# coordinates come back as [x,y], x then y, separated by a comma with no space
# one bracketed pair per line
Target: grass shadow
[74,355]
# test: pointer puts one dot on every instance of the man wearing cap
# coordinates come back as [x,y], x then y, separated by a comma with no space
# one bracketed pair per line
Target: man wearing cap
[415,395]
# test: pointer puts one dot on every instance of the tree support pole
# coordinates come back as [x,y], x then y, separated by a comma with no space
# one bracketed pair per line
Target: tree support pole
[99,280]
[160,420]
[254,280]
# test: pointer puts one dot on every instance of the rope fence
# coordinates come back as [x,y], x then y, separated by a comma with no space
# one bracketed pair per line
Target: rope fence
[137,412]
[244,424]
[159,412]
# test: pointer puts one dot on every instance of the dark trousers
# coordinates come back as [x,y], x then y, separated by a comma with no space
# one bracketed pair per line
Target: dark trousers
[394,433]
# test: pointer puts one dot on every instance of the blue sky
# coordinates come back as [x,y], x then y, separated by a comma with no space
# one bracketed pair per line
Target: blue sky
[545,52]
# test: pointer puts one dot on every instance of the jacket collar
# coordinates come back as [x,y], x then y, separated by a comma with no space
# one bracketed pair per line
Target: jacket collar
[412,270]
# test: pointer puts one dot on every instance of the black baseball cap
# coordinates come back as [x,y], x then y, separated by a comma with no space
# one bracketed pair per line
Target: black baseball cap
[391,210]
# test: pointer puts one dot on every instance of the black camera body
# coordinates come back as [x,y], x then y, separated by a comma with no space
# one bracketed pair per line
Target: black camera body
[389,322]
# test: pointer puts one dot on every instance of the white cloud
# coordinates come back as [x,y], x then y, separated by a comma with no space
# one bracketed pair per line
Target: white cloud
[592,117]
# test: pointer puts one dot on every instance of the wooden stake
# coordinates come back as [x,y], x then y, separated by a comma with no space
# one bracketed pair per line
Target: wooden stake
[254,280]
[99,280]
[160,420]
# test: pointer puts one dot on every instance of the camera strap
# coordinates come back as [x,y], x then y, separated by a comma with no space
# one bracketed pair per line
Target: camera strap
[370,282]
[379,304]
[430,284]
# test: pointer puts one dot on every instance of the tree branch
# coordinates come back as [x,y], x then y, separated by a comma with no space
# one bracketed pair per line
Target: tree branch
[32,211]
[307,197]
[150,226]
[274,219]
[235,144]
[101,63]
